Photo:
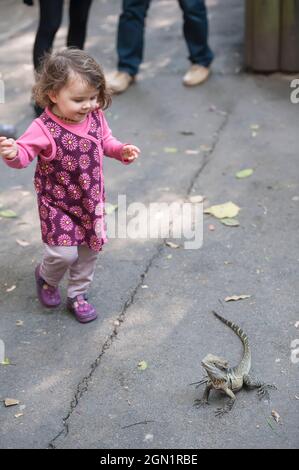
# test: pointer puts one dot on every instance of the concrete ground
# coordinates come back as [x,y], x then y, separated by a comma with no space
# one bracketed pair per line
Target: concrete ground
[79,386]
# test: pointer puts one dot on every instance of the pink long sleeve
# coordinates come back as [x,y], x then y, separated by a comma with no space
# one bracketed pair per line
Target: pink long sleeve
[111,146]
[32,143]
[36,141]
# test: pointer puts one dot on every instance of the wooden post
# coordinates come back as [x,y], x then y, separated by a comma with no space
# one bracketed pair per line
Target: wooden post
[262,35]
[289,38]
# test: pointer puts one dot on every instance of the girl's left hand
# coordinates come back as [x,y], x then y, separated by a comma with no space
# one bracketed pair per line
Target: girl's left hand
[130,153]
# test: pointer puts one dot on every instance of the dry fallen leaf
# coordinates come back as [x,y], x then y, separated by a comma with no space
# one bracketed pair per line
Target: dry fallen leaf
[187,132]
[244,173]
[10,289]
[142,365]
[22,242]
[172,245]
[110,208]
[5,362]
[276,416]
[237,297]
[221,211]
[205,148]
[198,198]
[11,402]
[230,222]
[170,149]
[8,214]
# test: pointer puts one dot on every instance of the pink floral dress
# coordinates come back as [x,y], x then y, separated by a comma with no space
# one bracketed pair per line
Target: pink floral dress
[70,187]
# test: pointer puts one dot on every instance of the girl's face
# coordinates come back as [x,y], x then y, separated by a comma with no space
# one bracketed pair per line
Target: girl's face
[75,100]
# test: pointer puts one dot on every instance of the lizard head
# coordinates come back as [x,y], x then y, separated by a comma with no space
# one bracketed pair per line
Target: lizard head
[216,368]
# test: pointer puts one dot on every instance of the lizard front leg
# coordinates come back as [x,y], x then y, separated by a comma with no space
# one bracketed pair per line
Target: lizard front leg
[205,398]
[221,411]
[262,391]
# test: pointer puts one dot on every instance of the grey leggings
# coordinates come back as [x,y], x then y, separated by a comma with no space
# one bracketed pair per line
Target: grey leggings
[79,260]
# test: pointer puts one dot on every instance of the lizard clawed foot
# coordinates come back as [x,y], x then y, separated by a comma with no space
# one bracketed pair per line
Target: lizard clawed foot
[263,392]
[226,409]
[221,411]
[199,402]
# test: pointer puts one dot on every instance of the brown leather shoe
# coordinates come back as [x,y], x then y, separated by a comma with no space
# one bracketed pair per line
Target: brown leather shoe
[119,81]
[196,75]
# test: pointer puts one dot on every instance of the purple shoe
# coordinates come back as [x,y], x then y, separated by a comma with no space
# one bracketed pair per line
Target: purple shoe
[83,311]
[49,296]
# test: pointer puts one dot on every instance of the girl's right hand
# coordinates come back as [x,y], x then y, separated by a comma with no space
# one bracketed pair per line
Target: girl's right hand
[8,148]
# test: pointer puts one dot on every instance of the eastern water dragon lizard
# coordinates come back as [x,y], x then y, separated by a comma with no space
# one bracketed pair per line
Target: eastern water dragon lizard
[229,379]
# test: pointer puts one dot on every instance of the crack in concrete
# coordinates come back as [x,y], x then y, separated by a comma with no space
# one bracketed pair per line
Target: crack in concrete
[84,383]
[207,154]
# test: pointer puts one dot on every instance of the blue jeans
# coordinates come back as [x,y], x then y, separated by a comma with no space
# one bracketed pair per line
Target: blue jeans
[131,32]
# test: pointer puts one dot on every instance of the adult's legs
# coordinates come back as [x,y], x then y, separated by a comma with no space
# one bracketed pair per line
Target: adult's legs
[79,10]
[49,22]
[196,31]
[130,36]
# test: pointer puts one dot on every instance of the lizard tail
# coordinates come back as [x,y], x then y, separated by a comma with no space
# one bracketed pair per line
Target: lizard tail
[245,364]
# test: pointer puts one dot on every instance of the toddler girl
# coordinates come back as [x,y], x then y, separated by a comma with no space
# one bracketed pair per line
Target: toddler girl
[69,139]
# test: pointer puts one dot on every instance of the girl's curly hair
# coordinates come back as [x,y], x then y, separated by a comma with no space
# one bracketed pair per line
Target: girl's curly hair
[56,68]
